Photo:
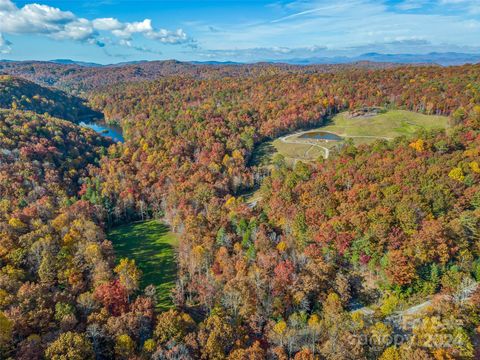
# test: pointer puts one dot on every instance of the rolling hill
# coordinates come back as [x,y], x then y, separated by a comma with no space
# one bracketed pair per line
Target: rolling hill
[17,93]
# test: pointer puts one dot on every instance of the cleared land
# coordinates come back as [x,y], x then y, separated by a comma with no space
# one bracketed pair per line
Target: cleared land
[362,130]
[387,125]
[152,246]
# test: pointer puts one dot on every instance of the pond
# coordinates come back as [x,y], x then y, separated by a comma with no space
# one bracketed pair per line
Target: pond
[112,131]
[321,135]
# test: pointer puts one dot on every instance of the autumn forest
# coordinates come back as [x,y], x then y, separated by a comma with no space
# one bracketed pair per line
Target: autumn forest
[370,252]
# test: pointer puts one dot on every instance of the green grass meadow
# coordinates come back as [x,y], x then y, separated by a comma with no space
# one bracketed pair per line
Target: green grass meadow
[152,246]
[390,124]
[362,130]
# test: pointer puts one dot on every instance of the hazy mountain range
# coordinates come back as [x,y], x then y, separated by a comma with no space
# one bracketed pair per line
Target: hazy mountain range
[445,59]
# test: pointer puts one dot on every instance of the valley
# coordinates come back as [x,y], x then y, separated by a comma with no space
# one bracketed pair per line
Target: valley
[240,180]
[111,131]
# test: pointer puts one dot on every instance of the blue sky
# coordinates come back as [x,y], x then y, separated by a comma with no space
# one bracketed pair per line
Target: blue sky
[110,31]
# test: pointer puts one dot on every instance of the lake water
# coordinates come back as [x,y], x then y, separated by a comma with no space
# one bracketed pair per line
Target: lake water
[115,132]
[321,135]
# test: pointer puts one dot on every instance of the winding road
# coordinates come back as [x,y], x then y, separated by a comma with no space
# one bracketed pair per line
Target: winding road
[397,318]
[287,140]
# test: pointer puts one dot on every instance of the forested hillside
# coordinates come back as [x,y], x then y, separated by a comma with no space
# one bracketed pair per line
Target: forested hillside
[325,229]
[52,248]
[79,79]
[21,94]
[376,228]
[197,135]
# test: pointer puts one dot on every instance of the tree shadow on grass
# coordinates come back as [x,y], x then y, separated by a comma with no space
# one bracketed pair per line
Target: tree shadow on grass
[262,154]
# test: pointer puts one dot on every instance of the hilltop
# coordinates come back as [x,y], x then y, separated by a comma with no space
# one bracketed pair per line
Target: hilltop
[78,78]
[17,93]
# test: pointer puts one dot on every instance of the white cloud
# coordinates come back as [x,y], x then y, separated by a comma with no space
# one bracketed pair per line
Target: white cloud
[168,37]
[455,1]
[128,29]
[4,45]
[298,14]
[398,45]
[265,53]
[107,24]
[65,25]
[347,27]
[79,30]
[411,4]
[471,6]
[6,5]
[125,31]
[34,18]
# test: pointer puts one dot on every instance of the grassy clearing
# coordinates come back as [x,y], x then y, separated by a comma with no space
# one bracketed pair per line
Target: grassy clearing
[362,130]
[307,152]
[262,154]
[390,125]
[152,246]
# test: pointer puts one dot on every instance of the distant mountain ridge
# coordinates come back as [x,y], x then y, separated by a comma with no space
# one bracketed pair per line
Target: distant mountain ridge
[77,79]
[444,59]
[74,62]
